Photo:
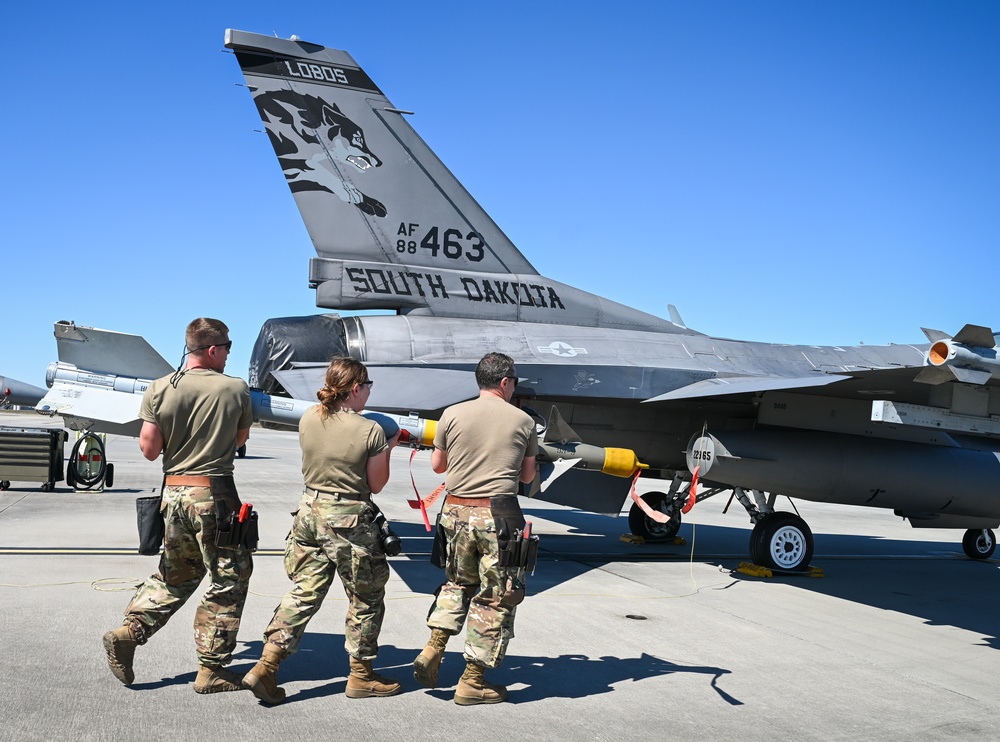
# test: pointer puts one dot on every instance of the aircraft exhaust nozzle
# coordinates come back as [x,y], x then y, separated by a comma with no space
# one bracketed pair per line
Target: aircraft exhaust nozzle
[618,462]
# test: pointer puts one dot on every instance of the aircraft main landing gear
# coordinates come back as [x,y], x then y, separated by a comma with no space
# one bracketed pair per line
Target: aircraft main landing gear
[979,544]
[781,541]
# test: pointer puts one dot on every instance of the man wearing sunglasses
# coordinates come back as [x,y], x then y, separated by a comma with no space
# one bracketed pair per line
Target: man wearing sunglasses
[196,418]
[487,446]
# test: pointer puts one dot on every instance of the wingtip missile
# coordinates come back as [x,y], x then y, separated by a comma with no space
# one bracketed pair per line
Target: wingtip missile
[974,361]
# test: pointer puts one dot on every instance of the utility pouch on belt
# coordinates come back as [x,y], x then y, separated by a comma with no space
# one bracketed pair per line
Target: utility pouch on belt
[439,548]
[149,519]
[235,523]
[516,550]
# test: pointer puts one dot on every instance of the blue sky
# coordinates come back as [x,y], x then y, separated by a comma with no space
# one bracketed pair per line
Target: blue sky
[796,172]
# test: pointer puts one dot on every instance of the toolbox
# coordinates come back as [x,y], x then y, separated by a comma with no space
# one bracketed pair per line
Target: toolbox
[31,455]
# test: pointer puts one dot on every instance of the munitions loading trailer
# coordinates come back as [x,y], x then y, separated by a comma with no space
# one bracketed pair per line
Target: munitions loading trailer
[31,455]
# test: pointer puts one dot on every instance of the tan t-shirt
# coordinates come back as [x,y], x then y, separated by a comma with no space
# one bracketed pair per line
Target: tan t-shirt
[199,419]
[486,439]
[336,449]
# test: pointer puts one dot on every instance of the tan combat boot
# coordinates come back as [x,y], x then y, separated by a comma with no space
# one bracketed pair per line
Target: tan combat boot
[364,682]
[262,680]
[427,663]
[216,679]
[119,646]
[473,689]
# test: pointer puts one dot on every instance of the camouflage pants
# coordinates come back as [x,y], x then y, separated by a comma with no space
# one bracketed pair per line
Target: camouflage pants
[189,553]
[475,587]
[333,536]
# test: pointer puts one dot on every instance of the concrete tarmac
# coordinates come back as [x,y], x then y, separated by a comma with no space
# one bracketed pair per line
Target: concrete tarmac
[614,641]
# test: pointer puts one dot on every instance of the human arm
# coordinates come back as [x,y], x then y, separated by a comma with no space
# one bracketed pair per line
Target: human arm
[528,469]
[377,469]
[242,436]
[150,440]
[439,461]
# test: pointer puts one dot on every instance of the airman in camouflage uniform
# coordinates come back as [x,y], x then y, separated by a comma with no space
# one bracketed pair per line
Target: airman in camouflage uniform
[196,418]
[329,536]
[345,459]
[487,446]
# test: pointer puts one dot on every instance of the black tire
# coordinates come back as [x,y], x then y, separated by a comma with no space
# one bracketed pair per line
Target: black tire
[242,451]
[71,476]
[648,529]
[979,543]
[4,485]
[109,476]
[781,541]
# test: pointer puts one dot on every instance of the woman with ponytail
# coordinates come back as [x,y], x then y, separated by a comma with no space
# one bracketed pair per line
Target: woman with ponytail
[345,460]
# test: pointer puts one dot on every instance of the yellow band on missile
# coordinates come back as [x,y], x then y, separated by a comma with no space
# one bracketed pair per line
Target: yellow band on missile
[621,462]
[430,428]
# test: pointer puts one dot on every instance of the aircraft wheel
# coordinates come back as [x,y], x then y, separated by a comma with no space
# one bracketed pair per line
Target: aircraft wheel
[242,451]
[5,485]
[979,544]
[781,541]
[109,476]
[642,525]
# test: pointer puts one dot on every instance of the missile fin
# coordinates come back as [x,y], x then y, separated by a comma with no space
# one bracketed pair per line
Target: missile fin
[935,335]
[976,336]
[558,430]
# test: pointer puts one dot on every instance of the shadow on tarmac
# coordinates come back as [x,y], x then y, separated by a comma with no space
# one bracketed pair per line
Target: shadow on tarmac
[322,657]
[930,580]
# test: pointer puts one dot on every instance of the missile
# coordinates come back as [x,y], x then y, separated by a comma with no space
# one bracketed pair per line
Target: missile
[70,374]
[560,446]
[416,430]
[618,462]
[970,357]
[85,393]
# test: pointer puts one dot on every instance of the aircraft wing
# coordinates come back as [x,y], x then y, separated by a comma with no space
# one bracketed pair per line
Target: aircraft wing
[90,403]
[395,388]
[745,384]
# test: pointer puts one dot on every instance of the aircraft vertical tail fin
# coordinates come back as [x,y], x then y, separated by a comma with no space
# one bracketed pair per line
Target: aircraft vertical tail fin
[392,227]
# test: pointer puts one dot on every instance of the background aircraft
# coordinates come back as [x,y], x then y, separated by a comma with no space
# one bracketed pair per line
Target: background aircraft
[909,428]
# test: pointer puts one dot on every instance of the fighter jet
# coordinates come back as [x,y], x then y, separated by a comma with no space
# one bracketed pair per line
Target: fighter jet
[911,428]
[14,392]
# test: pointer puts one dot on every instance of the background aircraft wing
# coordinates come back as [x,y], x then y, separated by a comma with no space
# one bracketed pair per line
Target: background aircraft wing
[90,403]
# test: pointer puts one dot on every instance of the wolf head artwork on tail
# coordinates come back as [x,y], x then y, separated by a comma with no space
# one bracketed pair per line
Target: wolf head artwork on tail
[313,139]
